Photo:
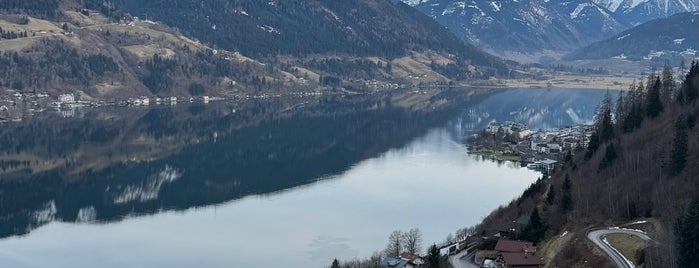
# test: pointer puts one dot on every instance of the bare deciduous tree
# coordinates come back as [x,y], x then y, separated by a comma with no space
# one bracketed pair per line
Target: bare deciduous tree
[395,244]
[412,240]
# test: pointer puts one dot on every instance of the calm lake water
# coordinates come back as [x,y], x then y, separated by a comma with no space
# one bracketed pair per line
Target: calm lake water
[256,184]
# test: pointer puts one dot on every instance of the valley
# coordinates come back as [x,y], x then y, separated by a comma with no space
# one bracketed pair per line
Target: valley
[302,133]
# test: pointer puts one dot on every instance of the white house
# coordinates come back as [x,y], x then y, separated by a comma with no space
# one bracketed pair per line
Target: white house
[66,98]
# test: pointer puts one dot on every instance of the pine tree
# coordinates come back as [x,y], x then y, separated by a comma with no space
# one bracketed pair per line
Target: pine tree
[603,119]
[335,264]
[604,129]
[551,196]
[566,198]
[668,85]
[609,156]
[535,230]
[433,257]
[592,145]
[689,92]
[687,237]
[621,111]
[654,106]
[678,156]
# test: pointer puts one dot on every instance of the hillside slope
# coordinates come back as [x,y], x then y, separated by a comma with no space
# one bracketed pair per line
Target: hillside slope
[671,38]
[379,28]
[75,50]
[637,170]
[227,48]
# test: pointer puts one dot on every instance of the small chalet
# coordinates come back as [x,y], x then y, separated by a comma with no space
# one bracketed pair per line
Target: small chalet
[517,254]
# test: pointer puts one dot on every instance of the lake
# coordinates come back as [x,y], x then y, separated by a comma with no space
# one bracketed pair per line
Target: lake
[260,183]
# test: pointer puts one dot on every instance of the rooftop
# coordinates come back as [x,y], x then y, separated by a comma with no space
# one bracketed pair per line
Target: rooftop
[549,161]
[393,262]
[521,259]
[505,245]
[409,256]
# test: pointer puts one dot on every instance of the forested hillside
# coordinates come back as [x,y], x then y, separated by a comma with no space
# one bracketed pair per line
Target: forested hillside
[638,165]
[300,27]
[44,8]
[121,48]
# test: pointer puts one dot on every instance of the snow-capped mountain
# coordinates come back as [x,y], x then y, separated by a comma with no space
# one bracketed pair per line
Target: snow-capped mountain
[640,11]
[674,38]
[524,30]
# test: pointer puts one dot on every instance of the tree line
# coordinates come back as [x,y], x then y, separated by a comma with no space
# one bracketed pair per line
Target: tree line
[52,62]
[12,34]
[42,8]
[409,241]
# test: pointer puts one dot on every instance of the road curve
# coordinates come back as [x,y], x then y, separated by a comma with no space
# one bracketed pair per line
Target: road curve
[463,260]
[599,237]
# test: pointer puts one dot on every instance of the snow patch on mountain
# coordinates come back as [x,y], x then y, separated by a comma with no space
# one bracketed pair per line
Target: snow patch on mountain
[640,11]
[414,2]
[579,9]
[496,5]
[624,36]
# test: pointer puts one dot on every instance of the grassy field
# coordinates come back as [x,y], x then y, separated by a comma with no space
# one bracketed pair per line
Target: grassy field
[629,245]
[573,81]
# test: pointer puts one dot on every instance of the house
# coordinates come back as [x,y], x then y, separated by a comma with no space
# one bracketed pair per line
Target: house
[66,98]
[517,254]
[414,260]
[449,249]
[548,165]
[553,148]
[506,245]
[520,260]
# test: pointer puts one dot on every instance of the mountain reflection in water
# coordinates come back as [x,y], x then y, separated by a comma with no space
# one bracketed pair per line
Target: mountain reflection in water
[114,163]
[304,180]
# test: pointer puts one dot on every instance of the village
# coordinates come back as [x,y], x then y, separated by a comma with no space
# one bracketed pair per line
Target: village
[17,106]
[540,150]
[496,248]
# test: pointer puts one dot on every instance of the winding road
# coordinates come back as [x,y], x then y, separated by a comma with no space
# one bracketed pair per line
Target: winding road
[463,260]
[599,237]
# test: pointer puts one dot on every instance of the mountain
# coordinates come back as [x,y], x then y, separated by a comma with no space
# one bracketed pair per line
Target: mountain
[524,30]
[382,28]
[673,38]
[640,11]
[111,50]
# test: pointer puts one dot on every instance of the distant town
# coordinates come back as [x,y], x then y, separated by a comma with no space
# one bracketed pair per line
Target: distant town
[541,149]
[17,106]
